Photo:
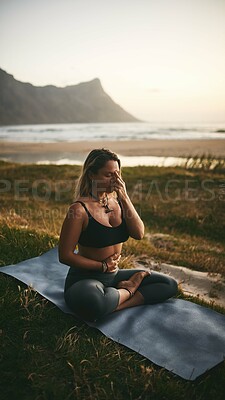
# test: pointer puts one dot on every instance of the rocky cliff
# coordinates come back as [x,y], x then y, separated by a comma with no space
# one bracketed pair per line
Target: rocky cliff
[23,103]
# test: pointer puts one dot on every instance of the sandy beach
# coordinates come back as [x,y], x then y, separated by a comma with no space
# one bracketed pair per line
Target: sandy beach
[31,152]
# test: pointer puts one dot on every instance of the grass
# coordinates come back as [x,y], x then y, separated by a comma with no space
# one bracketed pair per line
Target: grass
[46,354]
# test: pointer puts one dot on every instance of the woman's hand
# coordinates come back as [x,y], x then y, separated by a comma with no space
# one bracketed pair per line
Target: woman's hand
[135,225]
[119,186]
[112,262]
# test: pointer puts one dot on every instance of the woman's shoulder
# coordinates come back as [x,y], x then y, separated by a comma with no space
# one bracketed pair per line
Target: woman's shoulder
[80,202]
[78,207]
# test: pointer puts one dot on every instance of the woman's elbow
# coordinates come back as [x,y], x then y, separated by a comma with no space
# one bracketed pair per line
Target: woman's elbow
[138,235]
[63,259]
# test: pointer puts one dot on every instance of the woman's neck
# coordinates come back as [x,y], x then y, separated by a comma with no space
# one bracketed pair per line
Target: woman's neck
[102,200]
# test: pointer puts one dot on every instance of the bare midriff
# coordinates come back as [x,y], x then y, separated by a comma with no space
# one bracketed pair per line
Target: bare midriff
[99,254]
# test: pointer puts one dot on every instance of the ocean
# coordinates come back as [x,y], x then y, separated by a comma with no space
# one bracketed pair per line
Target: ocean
[103,132]
[50,133]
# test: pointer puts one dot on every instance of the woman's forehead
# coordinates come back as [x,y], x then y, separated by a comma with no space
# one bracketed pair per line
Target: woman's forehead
[111,166]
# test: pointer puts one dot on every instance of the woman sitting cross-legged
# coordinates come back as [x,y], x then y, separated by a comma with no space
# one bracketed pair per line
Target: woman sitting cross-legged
[99,221]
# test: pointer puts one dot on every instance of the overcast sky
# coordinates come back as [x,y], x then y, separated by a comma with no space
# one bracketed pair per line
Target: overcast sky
[161,60]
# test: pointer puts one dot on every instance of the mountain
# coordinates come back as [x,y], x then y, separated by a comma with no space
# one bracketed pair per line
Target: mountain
[23,103]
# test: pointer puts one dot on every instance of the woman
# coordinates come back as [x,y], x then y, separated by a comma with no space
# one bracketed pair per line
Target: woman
[99,221]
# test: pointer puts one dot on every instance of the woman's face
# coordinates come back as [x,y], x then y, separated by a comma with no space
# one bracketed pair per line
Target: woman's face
[103,180]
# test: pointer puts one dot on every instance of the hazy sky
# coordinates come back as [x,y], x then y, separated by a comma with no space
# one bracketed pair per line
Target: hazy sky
[161,60]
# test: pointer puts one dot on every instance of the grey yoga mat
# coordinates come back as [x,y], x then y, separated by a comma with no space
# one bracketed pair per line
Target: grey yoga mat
[183,337]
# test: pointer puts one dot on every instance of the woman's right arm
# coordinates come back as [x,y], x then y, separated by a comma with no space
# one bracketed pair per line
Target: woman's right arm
[70,233]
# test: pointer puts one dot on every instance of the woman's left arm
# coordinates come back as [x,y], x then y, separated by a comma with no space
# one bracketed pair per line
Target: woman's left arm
[134,223]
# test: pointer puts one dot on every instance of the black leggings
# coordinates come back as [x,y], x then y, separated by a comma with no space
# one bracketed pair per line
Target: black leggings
[91,295]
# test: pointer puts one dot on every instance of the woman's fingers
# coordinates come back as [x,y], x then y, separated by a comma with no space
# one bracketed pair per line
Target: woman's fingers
[116,256]
[113,262]
[117,174]
[117,179]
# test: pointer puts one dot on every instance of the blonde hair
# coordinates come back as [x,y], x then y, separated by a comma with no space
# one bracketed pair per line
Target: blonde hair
[95,160]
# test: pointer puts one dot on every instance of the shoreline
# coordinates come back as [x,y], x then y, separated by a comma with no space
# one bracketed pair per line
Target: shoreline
[34,152]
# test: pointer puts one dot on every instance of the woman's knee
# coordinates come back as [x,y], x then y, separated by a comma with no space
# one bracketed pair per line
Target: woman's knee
[89,299]
[158,291]
[173,286]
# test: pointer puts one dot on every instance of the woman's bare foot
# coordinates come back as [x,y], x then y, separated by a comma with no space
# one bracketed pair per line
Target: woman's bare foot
[134,282]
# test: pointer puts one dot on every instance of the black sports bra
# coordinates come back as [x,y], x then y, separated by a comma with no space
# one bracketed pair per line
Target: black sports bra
[99,235]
